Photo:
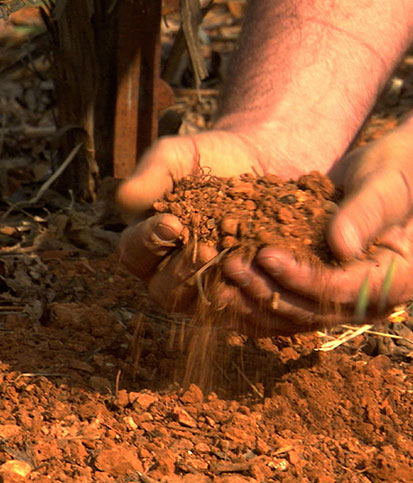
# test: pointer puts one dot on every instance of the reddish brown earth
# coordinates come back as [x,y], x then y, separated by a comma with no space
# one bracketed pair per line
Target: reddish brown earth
[246,213]
[93,390]
[239,216]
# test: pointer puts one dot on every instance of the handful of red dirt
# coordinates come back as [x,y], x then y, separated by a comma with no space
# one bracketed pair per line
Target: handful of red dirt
[248,213]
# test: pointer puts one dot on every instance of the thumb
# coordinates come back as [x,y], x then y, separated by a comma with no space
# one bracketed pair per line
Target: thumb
[380,201]
[221,153]
[166,161]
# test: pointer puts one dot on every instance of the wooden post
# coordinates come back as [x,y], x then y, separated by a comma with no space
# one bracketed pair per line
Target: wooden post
[138,66]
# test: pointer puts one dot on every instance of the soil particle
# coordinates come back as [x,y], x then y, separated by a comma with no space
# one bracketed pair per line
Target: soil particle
[193,395]
[118,461]
[15,470]
[184,418]
[142,400]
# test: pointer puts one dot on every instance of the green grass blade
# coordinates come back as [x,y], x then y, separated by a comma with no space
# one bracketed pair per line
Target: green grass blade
[385,289]
[362,301]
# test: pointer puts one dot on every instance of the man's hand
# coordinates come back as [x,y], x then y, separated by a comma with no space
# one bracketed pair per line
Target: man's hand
[149,250]
[145,245]
[275,293]
[291,105]
[377,208]
[221,153]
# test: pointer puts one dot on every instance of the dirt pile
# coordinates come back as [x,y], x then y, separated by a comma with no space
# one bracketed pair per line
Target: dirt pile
[280,410]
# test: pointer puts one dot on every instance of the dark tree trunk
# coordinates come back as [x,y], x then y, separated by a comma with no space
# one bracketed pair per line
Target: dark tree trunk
[83,36]
[106,69]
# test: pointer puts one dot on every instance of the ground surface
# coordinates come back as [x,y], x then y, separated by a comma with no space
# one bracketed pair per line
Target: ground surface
[95,380]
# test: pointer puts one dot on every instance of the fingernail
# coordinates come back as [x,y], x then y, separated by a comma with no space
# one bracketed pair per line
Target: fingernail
[165,233]
[241,278]
[274,266]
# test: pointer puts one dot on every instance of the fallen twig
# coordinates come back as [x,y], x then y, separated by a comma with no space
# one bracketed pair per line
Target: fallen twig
[248,381]
[39,374]
[197,275]
[374,332]
[46,185]
[30,131]
[343,338]
[146,479]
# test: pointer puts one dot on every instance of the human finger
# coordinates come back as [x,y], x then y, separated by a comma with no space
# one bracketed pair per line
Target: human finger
[165,161]
[171,158]
[174,285]
[267,291]
[285,314]
[342,284]
[381,202]
[378,192]
[145,244]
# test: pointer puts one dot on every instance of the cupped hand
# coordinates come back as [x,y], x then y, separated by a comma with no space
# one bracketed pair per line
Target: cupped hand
[276,294]
[152,249]
[377,207]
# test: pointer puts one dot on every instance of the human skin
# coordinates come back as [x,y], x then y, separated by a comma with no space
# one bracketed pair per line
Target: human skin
[302,82]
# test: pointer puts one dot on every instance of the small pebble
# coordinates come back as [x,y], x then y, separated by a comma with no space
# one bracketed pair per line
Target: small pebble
[288,199]
[16,467]
[184,418]
[229,241]
[229,226]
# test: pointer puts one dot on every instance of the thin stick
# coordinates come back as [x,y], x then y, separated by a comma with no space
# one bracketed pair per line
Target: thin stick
[195,251]
[283,449]
[39,374]
[323,334]
[211,262]
[45,185]
[29,131]
[145,478]
[56,174]
[195,92]
[198,273]
[374,332]
[117,382]
[248,381]
[16,206]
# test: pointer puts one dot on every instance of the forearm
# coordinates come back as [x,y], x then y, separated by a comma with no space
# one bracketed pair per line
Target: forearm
[307,74]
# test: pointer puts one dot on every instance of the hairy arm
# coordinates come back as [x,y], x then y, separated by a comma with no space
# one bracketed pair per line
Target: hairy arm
[307,73]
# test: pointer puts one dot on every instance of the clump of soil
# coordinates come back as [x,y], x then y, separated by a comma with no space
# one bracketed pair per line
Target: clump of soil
[247,213]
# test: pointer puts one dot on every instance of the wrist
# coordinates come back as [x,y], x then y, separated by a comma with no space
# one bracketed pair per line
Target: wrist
[291,146]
